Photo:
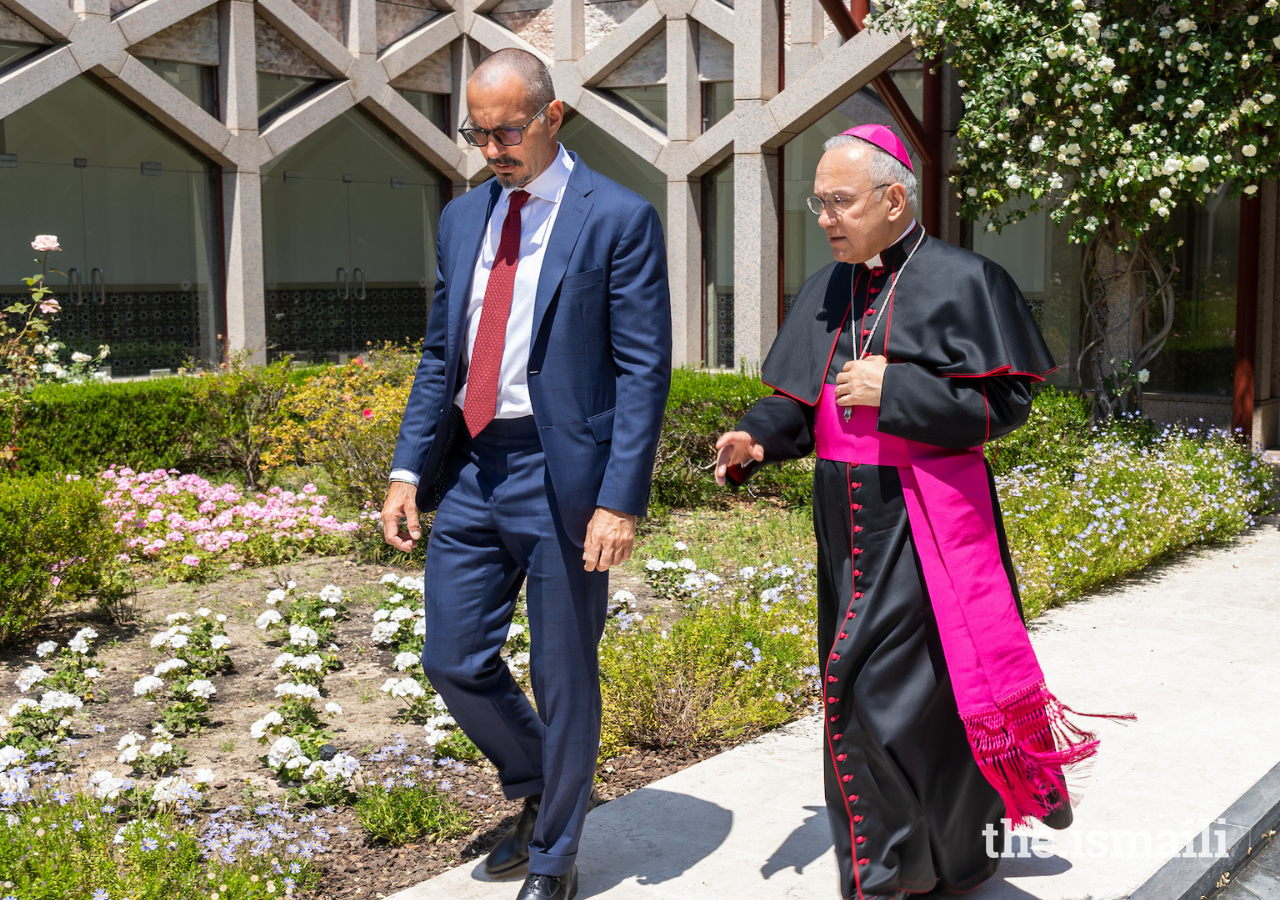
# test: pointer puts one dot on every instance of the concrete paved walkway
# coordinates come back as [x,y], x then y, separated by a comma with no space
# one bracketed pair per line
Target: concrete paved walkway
[1193,648]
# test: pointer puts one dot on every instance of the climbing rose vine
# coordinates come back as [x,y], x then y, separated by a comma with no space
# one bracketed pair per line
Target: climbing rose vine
[1109,116]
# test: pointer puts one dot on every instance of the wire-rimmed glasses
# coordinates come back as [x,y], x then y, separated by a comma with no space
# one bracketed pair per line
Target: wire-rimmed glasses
[507,136]
[836,203]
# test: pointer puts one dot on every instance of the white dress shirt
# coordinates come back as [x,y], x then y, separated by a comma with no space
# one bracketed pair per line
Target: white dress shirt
[537,218]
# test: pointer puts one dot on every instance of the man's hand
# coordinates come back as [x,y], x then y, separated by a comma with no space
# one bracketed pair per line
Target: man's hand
[735,448]
[401,503]
[610,537]
[860,382]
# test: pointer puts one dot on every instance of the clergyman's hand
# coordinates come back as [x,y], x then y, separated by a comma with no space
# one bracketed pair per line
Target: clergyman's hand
[610,537]
[401,503]
[860,382]
[733,449]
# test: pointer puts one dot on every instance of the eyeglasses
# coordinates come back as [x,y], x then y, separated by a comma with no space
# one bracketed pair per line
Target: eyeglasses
[507,137]
[836,204]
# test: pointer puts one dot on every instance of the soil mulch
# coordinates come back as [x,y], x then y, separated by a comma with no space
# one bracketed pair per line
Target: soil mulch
[354,865]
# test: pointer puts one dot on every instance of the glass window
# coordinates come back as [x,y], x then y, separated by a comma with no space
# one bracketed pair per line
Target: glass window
[133,210]
[717,304]
[804,245]
[649,103]
[197,83]
[277,93]
[717,102]
[910,84]
[613,159]
[1199,356]
[434,106]
[1045,266]
[13,52]
[349,221]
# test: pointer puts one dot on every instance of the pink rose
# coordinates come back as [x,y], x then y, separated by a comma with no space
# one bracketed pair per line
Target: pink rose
[50,306]
[45,242]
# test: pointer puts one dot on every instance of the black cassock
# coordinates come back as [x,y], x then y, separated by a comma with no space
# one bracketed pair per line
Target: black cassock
[906,800]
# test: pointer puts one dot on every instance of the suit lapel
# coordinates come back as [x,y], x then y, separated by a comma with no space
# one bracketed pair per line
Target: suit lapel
[574,209]
[463,264]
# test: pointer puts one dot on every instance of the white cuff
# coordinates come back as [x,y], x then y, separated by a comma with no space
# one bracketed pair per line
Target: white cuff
[407,475]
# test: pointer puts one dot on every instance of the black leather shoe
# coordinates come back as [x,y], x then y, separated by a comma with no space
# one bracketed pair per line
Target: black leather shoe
[1060,816]
[549,887]
[511,853]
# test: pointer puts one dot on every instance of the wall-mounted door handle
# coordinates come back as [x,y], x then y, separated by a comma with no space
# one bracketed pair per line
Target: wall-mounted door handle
[98,286]
[358,276]
[75,287]
[344,289]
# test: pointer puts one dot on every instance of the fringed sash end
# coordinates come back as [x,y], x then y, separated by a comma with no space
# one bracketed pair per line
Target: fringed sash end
[1022,747]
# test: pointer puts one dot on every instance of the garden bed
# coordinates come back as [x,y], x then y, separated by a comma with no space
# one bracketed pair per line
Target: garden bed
[352,862]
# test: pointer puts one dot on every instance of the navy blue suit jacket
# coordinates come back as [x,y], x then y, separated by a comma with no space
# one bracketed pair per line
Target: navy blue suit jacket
[600,359]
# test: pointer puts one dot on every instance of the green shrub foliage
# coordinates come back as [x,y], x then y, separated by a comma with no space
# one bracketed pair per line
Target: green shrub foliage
[85,428]
[56,548]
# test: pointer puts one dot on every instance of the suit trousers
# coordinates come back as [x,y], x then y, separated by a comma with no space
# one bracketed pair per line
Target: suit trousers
[495,529]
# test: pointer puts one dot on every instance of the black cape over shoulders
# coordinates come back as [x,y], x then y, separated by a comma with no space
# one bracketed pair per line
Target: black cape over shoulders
[942,287]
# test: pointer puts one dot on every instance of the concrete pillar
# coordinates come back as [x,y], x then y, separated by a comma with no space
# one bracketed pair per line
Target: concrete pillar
[756,52]
[242,185]
[92,8]
[684,263]
[684,196]
[570,29]
[806,34]
[362,27]
[755,253]
[242,225]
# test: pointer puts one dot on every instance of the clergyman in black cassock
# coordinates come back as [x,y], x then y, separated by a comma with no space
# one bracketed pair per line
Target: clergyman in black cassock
[951,351]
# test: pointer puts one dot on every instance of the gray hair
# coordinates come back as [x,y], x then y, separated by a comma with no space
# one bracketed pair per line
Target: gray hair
[531,71]
[885,167]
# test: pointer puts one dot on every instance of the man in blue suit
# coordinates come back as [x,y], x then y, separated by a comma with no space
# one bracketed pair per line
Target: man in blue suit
[531,430]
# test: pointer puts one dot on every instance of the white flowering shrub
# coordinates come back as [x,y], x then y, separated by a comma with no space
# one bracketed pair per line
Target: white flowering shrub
[157,755]
[303,619]
[73,668]
[1109,116]
[398,625]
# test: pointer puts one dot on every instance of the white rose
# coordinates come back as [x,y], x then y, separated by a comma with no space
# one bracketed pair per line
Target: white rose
[1014,181]
[1249,150]
[1037,144]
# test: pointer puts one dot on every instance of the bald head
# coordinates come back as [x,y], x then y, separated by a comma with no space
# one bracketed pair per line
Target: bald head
[501,68]
[512,90]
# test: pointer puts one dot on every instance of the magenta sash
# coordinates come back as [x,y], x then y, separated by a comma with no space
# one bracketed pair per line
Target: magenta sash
[1017,729]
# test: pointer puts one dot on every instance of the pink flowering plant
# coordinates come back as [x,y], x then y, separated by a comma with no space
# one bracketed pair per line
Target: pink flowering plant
[27,356]
[191,529]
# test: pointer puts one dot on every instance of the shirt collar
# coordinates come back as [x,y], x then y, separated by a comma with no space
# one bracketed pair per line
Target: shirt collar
[551,182]
[894,253]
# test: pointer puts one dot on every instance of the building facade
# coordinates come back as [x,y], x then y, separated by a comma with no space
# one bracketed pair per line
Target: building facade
[268,174]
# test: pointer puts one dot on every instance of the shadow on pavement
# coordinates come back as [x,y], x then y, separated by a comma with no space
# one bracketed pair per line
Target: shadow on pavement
[810,840]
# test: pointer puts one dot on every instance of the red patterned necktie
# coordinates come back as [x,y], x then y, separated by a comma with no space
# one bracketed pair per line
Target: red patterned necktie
[486,354]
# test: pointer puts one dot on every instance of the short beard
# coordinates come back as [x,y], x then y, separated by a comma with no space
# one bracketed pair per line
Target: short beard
[515,179]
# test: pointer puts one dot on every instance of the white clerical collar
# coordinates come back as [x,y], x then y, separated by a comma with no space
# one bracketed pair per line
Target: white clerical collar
[551,182]
[876,262]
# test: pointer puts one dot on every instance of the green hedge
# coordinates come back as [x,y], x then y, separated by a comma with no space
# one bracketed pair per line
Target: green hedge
[702,406]
[57,547]
[85,428]
[157,424]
